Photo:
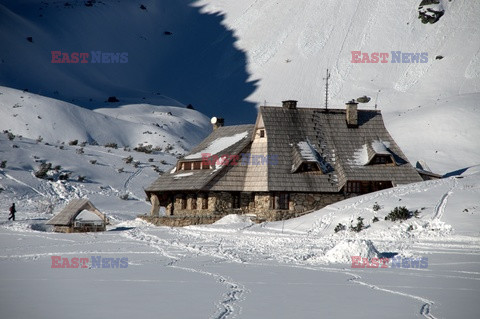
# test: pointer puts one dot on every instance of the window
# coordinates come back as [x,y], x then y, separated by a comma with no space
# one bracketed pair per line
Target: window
[183,201]
[193,202]
[236,200]
[280,201]
[353,187]
[187,166]
[309,167]
[262,133]
[381,159]
[204,201]
[283,200]
[205,166]
[197,165]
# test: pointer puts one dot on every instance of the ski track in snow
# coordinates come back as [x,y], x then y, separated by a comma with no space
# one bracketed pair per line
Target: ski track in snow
[227,307]
[442,203]
[22,183]
[425,309]
[129,179]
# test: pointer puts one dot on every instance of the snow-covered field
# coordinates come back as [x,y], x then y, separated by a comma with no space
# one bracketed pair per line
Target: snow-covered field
[233,269]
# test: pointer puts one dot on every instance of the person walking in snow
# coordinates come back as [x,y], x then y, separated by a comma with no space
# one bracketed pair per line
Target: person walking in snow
[12,212]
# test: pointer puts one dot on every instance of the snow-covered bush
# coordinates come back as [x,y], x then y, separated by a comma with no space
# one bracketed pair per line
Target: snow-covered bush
[401,213]
[111,145]
[147,149]
[339,227]
[357,228]
[43,170]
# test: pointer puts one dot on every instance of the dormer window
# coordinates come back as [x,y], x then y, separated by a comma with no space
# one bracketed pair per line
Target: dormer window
[382,159]
[306,158]
[309,167]
[188,166]
[262,133]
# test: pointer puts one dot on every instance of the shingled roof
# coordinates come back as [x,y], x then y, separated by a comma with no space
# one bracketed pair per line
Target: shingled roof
[336,143]
[67,216]
[296,136]
[224,140]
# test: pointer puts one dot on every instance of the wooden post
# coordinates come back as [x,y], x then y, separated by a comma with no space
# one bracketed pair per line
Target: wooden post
[155,211]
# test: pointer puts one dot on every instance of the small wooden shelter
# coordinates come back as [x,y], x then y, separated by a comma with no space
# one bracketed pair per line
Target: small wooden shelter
[64,222]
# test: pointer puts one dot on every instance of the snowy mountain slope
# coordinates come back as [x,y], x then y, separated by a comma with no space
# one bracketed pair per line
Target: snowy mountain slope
[173,50]
[98,173]
[446,207]
[445,132]
[32,115]
[315,35]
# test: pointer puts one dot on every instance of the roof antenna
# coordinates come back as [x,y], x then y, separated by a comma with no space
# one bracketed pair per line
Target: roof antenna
[326,89]
[376,99]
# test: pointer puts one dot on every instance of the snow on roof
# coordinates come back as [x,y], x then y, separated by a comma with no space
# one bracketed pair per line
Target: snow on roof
[178,176]
[360,156]
[381,147]
[307,151]
[219,145]
[310,154]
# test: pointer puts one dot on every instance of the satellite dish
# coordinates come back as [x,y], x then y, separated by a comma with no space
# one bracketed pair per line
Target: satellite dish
[214,120]
[363,99]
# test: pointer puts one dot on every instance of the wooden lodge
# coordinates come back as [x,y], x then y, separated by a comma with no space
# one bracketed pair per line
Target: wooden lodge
[291,161]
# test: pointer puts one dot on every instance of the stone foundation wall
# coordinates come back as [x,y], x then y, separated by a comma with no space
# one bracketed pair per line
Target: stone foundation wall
[221,204]
[180,221]
[63,229]
[300,202]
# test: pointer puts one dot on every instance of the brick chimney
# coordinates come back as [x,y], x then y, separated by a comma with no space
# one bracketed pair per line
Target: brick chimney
[217,122]
[352,114]
[290,104]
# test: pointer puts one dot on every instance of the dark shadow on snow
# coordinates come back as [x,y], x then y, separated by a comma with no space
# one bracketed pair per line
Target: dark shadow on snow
[121,228]
[456,173]
[174,49]
[387,254]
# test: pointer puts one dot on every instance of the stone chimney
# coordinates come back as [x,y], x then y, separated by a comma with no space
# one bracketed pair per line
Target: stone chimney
[352,114]
[217,122]
[290,104]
